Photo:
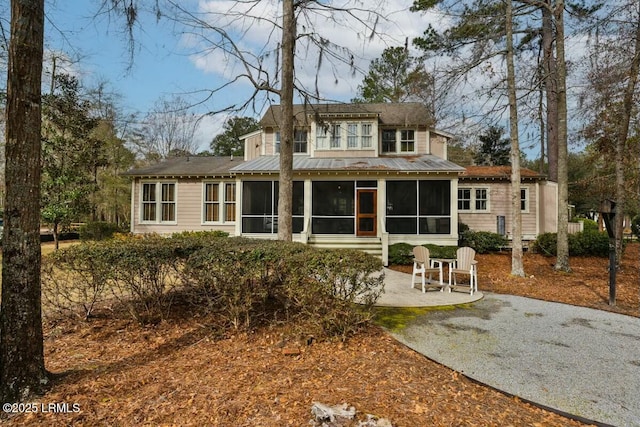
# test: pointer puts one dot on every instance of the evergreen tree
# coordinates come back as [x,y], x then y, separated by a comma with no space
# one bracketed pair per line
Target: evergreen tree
[228,143]
[494,149]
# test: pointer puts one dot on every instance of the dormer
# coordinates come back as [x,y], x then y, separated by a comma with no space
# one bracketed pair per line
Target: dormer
[351,130]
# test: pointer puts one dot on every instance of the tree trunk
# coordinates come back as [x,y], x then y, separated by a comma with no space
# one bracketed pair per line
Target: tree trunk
[517,266]
[562,260]
[285,194]
[550,82]
[22,371]
[621,141]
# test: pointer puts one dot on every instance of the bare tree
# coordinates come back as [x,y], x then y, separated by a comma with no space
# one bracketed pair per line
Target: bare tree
[167,130]
[272,70]
[22,371]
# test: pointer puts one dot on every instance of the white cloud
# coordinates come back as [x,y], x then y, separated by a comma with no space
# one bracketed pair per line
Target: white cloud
[349,33]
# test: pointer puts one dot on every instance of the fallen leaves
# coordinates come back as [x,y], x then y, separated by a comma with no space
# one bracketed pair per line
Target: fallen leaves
[180,373]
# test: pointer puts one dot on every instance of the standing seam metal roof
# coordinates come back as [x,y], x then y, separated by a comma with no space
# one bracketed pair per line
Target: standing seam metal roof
[425,163]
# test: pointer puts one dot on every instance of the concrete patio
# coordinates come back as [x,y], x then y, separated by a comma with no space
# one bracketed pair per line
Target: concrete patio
[398,293]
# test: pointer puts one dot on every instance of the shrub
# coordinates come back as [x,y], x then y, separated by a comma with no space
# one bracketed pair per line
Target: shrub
[586,243]
[588,224]
[401,254]
[243,282]
[483,241]
[74,280]
[332,292]
[98,230]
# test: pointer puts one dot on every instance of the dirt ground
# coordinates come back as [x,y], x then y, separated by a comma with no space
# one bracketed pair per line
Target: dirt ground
[178,373]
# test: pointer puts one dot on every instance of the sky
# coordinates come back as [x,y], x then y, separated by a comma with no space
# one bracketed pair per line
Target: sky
[171,59]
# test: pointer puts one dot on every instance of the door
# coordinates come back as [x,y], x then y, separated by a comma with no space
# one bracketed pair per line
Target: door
[366,219]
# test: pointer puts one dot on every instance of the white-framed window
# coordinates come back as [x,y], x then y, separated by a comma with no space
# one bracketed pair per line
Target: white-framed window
[158,202]
[366,129]
[276,142]
[482,199]
[219,202]
[345,135]
[300,141]
[464,199]
[211,202]
[473,199]
[352,135]
[398,141]
[335,140]
[322,139]
[524,199]
[229,201]
[407,141]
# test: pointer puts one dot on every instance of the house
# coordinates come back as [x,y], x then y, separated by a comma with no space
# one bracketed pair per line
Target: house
[484,201]
[365,176]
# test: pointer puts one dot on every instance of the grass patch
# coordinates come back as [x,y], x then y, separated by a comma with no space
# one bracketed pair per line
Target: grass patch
[395,319]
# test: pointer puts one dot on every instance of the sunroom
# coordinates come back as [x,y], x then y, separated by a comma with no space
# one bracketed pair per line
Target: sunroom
[354,202]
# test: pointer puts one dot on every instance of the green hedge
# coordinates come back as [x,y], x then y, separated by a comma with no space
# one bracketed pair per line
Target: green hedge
[586,243]
[243,282]
[402,253]
[483,241]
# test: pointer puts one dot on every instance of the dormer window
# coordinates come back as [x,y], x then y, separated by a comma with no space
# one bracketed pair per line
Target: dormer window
[398,141]
[299,141]
[345,136]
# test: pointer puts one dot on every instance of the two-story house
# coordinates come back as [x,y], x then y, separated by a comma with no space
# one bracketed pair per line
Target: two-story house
[365,176]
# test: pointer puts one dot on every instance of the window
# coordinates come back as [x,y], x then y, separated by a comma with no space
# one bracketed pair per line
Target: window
[321,137]
[300,141]
[366,135]
[276,142]
[473,199]
[230,201]
[464,199]
[352,135]
[219,202]
[419,207]
[211,202]
[481,199]
[158,202]
[524,200]
[148,202]
[335,136]
[407,141]
[388,140]
[260,206]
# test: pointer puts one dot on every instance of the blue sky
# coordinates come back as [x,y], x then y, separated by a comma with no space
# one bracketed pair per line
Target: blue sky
[167,62]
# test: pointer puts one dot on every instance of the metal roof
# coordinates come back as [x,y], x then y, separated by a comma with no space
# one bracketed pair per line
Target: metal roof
[424,163]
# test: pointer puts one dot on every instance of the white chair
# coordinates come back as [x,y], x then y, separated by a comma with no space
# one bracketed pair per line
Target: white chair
[465,263]
[422,265]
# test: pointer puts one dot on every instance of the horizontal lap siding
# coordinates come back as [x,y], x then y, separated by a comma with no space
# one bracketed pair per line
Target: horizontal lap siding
[500,204]
[188,212]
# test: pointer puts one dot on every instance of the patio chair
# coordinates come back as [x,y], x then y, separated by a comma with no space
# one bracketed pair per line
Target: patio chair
[422,265]
[465,263]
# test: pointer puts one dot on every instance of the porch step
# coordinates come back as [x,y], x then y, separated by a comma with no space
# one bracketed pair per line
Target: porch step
[371,245]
